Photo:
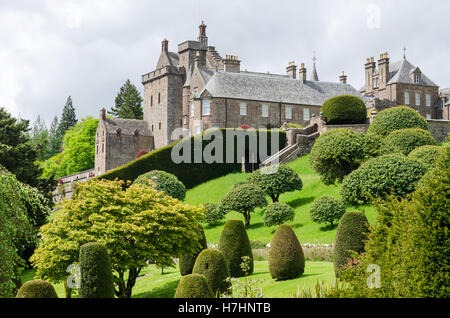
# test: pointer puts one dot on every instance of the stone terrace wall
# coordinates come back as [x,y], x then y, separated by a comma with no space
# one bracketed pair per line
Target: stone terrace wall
[439,129]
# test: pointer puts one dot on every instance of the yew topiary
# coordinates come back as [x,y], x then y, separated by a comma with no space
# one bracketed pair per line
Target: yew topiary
[327,209]
[187,261]
[37,289]
[277,213]
[165,182]
[396,118]
[427,155]
[406,140]
[194,286]
[344,109]
[286,258]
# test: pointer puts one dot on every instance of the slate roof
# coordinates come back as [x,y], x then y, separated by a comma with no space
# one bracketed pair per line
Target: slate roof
[127,126]
[314,76]
[446,91]
[273,88]
[400,72]
[174,58]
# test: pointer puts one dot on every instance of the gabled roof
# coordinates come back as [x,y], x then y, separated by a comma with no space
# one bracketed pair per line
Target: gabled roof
[127,126]
[273,88]
[400,72]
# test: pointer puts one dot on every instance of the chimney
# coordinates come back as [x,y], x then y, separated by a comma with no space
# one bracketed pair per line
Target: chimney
[165,45]
[102,114]
[292,70]
[232,64]
[370,70]
[383,68]
[343,78]
[202,38]
[302,73]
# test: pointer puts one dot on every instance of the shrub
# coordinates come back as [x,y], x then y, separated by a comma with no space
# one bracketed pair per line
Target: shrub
[275,180]
[96,272]
[187,261]
[243,199]
[37,289]
[194,286]
[327,209]
[286,259]
[165,182]
[234,244]
[293,125]
[278,213]
[390,174]
[338,152]
[344,109]
[396,118]
[213,215]
[406,140]
[427,155]
[350,237]
[212,264]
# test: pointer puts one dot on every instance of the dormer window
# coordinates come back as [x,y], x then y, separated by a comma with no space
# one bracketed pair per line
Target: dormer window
[416,78]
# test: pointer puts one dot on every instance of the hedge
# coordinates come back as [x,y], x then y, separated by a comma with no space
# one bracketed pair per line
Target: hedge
[427,155]
[406,140]
[344,109]
[37,289]
[187,261]
[396,118]
[165,182]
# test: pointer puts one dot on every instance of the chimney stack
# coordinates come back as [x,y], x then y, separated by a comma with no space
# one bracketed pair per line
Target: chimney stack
[383,68]
[199,60]
[302,73]
[103,114]
[165,45]
[292,70]
[232,64]
[343,78]
[370,70]
[202,38]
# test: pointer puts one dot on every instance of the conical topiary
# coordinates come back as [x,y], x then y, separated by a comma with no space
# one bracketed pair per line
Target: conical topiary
[187,261]
[96,272]
[211,263]
[36,289]
[193,286]
[350,236]
[286,258]
[234,244]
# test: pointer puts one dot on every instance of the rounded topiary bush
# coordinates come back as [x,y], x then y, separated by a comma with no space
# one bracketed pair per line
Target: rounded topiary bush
[427,155]
[212,264]
[390,174]
[234,244]
[327,209]
[396,118]
[194,286]
[350,237]
[165,182]
[37,289]
[286,258]
[344,109]
[213,215]
[406,140]
[277,213]
[96,272]
[187,261]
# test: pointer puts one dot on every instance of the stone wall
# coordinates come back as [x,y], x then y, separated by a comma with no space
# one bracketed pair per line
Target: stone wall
[439,129]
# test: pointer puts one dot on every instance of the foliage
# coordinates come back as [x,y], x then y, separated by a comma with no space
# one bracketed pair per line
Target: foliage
[243,199]
[275,180]
[327,209]
[68,119]
[165,182]
[54,140]
[338,152]
[427,155]
[128,103]
[213,215]
[278,213]
[96,272]
[194,286]
[187,261]
[134,225]
[234,244]
[344,109]
[247,288]
[293,125]
[141,153]
[39,138]
[212,264]
[286,259]
[396,118]
[390,174]
[37,289]
[406,140]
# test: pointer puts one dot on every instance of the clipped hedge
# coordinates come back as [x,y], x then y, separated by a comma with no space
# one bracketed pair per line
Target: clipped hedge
[344,109]
[187,261]
[406,140]
[327,209]
[213,215]
[192,174]
[427,155]
[194,286]
[37,289]
[165,182]
[277,213]
[396,118]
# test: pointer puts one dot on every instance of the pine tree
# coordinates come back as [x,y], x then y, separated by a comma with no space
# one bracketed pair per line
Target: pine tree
[40,139]
[53,137]
[128,103]
[68,118]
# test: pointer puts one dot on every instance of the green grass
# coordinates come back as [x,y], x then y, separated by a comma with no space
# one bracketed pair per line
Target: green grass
[306,230]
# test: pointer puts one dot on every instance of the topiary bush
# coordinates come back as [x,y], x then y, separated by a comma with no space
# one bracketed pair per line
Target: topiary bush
[338,152]
[286,258]
[350,237]
[427,155]
[37,289]
[194,286]
[96,272]
[213,215]
[277,213]
[187,261]
[234,244]
[406,140]
[275,180]
[396,118]
[165,182]
[344,109]
[327,209]
[390,174]
[212,264]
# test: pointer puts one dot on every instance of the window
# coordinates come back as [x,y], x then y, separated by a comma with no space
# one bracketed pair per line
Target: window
[428,116]
[417,79]
[417,99]
[406,98]
[159,126]
[103,148]
[375,82]
[159,98]
[288,112]
[192,108]
[428,100]
[153,127]
[243,109]
[265,110]
[306,114]
[185,120]
[151,100]
[206,107]
[97,149]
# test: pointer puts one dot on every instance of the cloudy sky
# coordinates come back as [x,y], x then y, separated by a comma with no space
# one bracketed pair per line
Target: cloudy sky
[50,49]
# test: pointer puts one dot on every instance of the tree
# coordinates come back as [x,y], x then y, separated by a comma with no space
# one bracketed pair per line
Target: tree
[344,109]
[165,182]
[54,140]
[275,180]
[128,103]
[194,286]
[135,225]
[37,289]
[68,119]
[40,139]
[277,213]
[327,209]
[406,140]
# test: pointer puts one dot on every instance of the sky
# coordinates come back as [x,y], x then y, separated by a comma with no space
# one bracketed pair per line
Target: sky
[50,49]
